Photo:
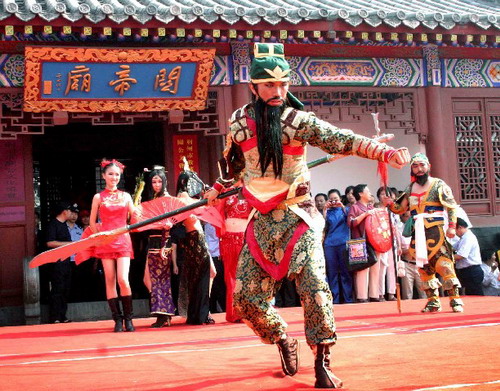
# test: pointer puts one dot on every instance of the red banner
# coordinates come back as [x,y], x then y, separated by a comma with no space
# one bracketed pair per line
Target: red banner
[185,145]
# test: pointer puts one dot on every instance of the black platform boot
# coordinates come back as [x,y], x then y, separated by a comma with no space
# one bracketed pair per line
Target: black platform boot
[128,313]
[289,353]
[116,314]
[161,320]
[324,376]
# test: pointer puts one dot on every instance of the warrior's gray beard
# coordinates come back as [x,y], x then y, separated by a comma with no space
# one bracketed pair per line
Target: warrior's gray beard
[269,136]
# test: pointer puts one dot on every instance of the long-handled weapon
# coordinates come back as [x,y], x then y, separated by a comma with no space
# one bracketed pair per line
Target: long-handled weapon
[101,238]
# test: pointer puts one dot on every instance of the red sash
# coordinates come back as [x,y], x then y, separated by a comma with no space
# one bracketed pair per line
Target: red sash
[263,207]
[280,270]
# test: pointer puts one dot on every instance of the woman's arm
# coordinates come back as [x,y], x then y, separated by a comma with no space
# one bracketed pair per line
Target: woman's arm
[174,258]
[96,201]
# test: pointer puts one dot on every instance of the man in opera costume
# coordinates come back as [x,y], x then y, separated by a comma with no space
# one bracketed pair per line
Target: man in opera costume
[266,148]
[428,199]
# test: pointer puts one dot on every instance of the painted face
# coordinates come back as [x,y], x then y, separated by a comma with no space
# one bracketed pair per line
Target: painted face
[419,168]
[350,197]
[272,93]
[157,184]
[112,176]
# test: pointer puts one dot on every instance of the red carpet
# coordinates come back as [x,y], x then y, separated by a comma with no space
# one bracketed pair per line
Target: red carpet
[378,349]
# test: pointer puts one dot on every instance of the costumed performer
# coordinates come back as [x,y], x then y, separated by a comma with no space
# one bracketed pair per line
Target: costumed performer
[427,198]
[235,211]
[197,268]
[114,208]
[267,139]
[160,262]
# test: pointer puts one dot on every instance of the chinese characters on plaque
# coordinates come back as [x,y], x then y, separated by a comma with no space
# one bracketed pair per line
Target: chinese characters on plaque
[110,79]
[80,79]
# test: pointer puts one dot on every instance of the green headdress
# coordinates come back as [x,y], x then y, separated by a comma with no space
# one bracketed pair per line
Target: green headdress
[419,157]
[269,63]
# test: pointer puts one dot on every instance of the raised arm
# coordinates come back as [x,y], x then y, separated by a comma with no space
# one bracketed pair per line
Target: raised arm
[334,140]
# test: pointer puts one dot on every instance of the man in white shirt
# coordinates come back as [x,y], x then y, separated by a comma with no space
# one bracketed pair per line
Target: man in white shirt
[468,260]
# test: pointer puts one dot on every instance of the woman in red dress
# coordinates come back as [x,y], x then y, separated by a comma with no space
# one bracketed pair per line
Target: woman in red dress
[114,208]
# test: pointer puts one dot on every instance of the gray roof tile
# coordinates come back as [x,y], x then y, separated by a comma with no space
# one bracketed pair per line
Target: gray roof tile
[412,13]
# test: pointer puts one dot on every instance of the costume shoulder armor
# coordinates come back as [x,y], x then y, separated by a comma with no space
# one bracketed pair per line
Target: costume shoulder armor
[446,195]
[238,114]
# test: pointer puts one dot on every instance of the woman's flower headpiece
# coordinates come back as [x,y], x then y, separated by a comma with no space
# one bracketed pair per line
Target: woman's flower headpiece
[105,163]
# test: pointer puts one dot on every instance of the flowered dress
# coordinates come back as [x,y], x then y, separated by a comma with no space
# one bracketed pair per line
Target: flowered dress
[159,261]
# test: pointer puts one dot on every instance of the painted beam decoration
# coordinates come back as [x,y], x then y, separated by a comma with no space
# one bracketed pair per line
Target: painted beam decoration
[380,72]
[112,80]
[471,73]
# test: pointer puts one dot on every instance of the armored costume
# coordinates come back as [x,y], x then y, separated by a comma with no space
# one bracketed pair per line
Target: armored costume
[428,246]
[280,238]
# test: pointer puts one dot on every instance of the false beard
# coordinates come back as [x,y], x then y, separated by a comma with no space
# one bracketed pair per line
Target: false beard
[269,136]
[422,179]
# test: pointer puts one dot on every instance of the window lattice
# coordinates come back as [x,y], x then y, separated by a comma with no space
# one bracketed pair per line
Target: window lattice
[206,120]
[471,157]
[396,110]
[14,121]
[495,144]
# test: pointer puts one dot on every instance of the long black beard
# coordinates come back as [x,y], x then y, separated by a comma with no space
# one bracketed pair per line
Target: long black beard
[269,136]
[422,179]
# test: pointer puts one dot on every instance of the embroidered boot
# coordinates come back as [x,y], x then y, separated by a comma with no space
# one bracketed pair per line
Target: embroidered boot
[289,353]
[116,314]
[128,313]
[324,376]
[433,303]
[456,303]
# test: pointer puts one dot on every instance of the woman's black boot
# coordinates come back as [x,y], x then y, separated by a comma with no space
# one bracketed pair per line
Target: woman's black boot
[128,313]
[116,314]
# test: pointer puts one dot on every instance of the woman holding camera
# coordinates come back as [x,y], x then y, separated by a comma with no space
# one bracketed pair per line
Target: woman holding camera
[336,236]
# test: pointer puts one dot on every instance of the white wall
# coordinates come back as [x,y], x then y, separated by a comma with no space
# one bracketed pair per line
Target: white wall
[352,170]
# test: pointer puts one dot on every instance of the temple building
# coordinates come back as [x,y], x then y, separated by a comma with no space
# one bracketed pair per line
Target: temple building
[150,81]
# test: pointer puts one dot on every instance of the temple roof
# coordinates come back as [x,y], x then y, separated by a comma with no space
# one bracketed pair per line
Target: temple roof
[430,14]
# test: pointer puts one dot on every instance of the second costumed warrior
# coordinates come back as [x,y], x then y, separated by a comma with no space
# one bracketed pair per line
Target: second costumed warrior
[267,141]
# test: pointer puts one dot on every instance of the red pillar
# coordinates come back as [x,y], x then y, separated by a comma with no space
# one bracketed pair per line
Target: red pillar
[440,140]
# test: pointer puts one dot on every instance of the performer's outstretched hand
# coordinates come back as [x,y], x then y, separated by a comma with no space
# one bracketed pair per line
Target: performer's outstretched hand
[400,159]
